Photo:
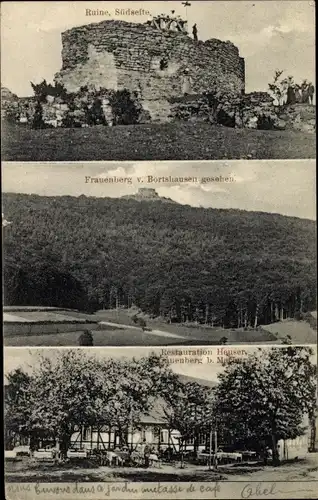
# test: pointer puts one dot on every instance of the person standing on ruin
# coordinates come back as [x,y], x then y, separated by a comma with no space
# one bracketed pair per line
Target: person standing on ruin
[195,32]
[304,93]
[311,92]
[297,94]
[291,95]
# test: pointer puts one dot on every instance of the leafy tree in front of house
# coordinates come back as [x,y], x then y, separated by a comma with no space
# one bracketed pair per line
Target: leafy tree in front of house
[265,397]
[76,389]
[189,410]
[17,397]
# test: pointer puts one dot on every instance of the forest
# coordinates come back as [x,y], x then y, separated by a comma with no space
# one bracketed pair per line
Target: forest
[219,267]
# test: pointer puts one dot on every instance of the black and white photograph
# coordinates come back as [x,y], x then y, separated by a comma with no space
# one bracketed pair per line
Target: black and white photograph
[157,254]
[159,249]
[247,415]
[122,81]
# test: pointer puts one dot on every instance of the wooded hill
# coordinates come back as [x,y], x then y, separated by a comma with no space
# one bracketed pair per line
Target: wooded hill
[230,268]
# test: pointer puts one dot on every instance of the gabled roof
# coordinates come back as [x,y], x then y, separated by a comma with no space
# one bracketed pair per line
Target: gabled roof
[156,414]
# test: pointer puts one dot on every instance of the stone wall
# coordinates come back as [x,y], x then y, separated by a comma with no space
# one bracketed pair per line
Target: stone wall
[301,117]
[256,110]
[117,55]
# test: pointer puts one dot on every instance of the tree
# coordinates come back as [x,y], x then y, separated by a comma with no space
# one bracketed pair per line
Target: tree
[264,398]
[139,321]
[217,268]
[37,121]
[278,87]
[16,407]
[86,339]
[189,410]
[76,389]
[95,113]
[43,89]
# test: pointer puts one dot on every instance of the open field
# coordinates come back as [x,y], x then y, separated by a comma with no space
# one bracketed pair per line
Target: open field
[30,471]
[120,337]
[110,333]
[299,331]
[113,327]
[173,141]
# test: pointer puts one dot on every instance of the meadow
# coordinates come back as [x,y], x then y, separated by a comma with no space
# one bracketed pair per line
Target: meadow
[172,141]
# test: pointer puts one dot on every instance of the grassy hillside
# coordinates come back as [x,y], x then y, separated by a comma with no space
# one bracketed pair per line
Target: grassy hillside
[177,141]
[227,268]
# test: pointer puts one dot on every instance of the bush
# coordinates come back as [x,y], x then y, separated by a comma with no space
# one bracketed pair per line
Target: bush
[265,123]
[74,118]
[225,119]
[11,115]
[38,121]
[43,90]
[126,110]
[95,113]
[86,339]
[139,321]
[298,316]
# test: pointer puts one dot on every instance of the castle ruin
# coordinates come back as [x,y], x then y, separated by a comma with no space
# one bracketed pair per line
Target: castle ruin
[156,60]
[167,73]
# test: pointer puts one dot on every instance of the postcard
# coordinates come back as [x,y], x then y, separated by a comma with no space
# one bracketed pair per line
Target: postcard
[159,249]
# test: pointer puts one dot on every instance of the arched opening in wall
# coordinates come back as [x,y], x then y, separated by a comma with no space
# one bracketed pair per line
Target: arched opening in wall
[163,64]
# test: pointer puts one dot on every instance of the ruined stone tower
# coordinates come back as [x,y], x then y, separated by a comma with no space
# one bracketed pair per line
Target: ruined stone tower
[157,64]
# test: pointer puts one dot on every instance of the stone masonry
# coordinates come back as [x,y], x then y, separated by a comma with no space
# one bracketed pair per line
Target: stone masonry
[154,63]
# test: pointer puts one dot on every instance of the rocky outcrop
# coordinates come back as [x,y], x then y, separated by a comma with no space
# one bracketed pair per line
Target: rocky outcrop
[255,110]
[301,117]
[8,101]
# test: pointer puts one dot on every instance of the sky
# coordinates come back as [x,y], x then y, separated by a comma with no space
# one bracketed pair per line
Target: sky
[270,34]
[28,359]
[286,186]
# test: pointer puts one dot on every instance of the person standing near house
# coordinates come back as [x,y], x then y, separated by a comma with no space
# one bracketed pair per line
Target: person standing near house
[147,452]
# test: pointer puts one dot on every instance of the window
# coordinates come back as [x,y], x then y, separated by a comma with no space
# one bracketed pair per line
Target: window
[85,433]
[164,438]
